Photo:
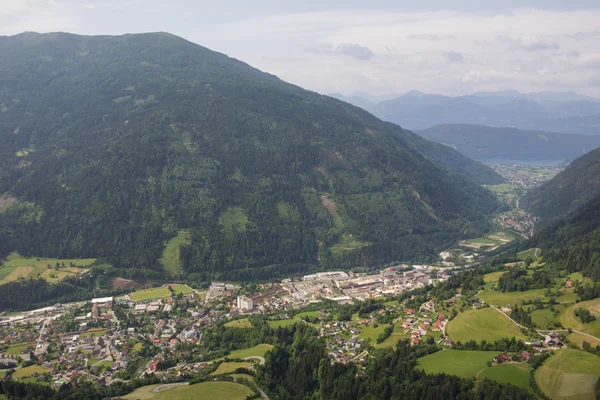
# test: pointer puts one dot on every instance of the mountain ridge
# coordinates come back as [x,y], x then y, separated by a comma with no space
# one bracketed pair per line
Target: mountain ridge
[113,144]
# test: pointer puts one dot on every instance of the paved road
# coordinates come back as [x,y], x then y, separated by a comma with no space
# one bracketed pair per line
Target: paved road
[263,395]
[159,387]
[541,332]
[515,322]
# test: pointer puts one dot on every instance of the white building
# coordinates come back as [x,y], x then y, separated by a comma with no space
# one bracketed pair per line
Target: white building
[245,303]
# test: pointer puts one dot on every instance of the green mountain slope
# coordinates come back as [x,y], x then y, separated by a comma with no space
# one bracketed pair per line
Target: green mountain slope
[488,143]
[449,159]
[111,145]
[572,188]
[573,242]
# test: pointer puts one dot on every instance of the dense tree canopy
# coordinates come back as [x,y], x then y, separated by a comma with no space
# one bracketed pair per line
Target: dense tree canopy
[111,145]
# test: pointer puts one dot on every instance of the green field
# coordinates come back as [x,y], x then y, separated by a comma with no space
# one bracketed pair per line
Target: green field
[569,320]
[256,351]
[149,294]
[463,363]
[309,314]
[569,373]
[500,299]
[29,371]
[394,338]
[239,323]
[347,243]
[484,324]
[202,391]
[17,349]
[578,339]
[531,253]
[15,267]
[370,332]
[482,240]
[515,374]
[233,219]
[229,367]
[493,277]
[504,188]
[282,323]
[543,318]
[183,289]
[93,333]
[170,258]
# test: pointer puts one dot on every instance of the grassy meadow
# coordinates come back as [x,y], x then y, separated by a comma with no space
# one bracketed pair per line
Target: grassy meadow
[483,324]
[569,374]
[16,267]
[203,390]
[170,258]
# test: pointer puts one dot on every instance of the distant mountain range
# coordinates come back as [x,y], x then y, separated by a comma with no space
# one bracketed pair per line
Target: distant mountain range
[491,144]
[564,112]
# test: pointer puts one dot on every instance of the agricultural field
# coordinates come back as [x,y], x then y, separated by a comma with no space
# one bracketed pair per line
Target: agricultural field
[394,338]
[578,339]
[183,289]
[500,299]
[515,373]
[16,267]
[150,294]
[239,323]
[543,319]
[29,371]
[569,374]
[531,253]
[309,314]
[493,277]
[463,363]
[282,323]
[170,258]
[484,324]
[256,351]
[203,390]
[569,320]
[229,367]
[18,349]
[370,332]
[493,240]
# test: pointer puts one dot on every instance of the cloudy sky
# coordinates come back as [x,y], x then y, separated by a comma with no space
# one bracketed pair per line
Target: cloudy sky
[379,47]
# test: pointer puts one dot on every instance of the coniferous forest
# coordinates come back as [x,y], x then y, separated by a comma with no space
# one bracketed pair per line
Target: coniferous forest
[112,145]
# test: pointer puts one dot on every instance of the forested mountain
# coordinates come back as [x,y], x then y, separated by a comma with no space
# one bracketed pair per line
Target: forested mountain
[573,242]
[486,143]
[111,145]
[574,187]
[546,111]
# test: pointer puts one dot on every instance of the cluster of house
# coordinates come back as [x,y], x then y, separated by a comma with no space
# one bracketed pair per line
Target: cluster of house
[504,358]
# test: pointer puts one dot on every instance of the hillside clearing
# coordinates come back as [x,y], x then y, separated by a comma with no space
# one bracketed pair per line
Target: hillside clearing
[170,258]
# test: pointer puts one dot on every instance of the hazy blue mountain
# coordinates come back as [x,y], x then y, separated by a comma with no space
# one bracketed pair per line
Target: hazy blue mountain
[486,143]
[564,112]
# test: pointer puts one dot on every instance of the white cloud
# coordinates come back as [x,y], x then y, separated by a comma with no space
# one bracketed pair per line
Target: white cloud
[347,50]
